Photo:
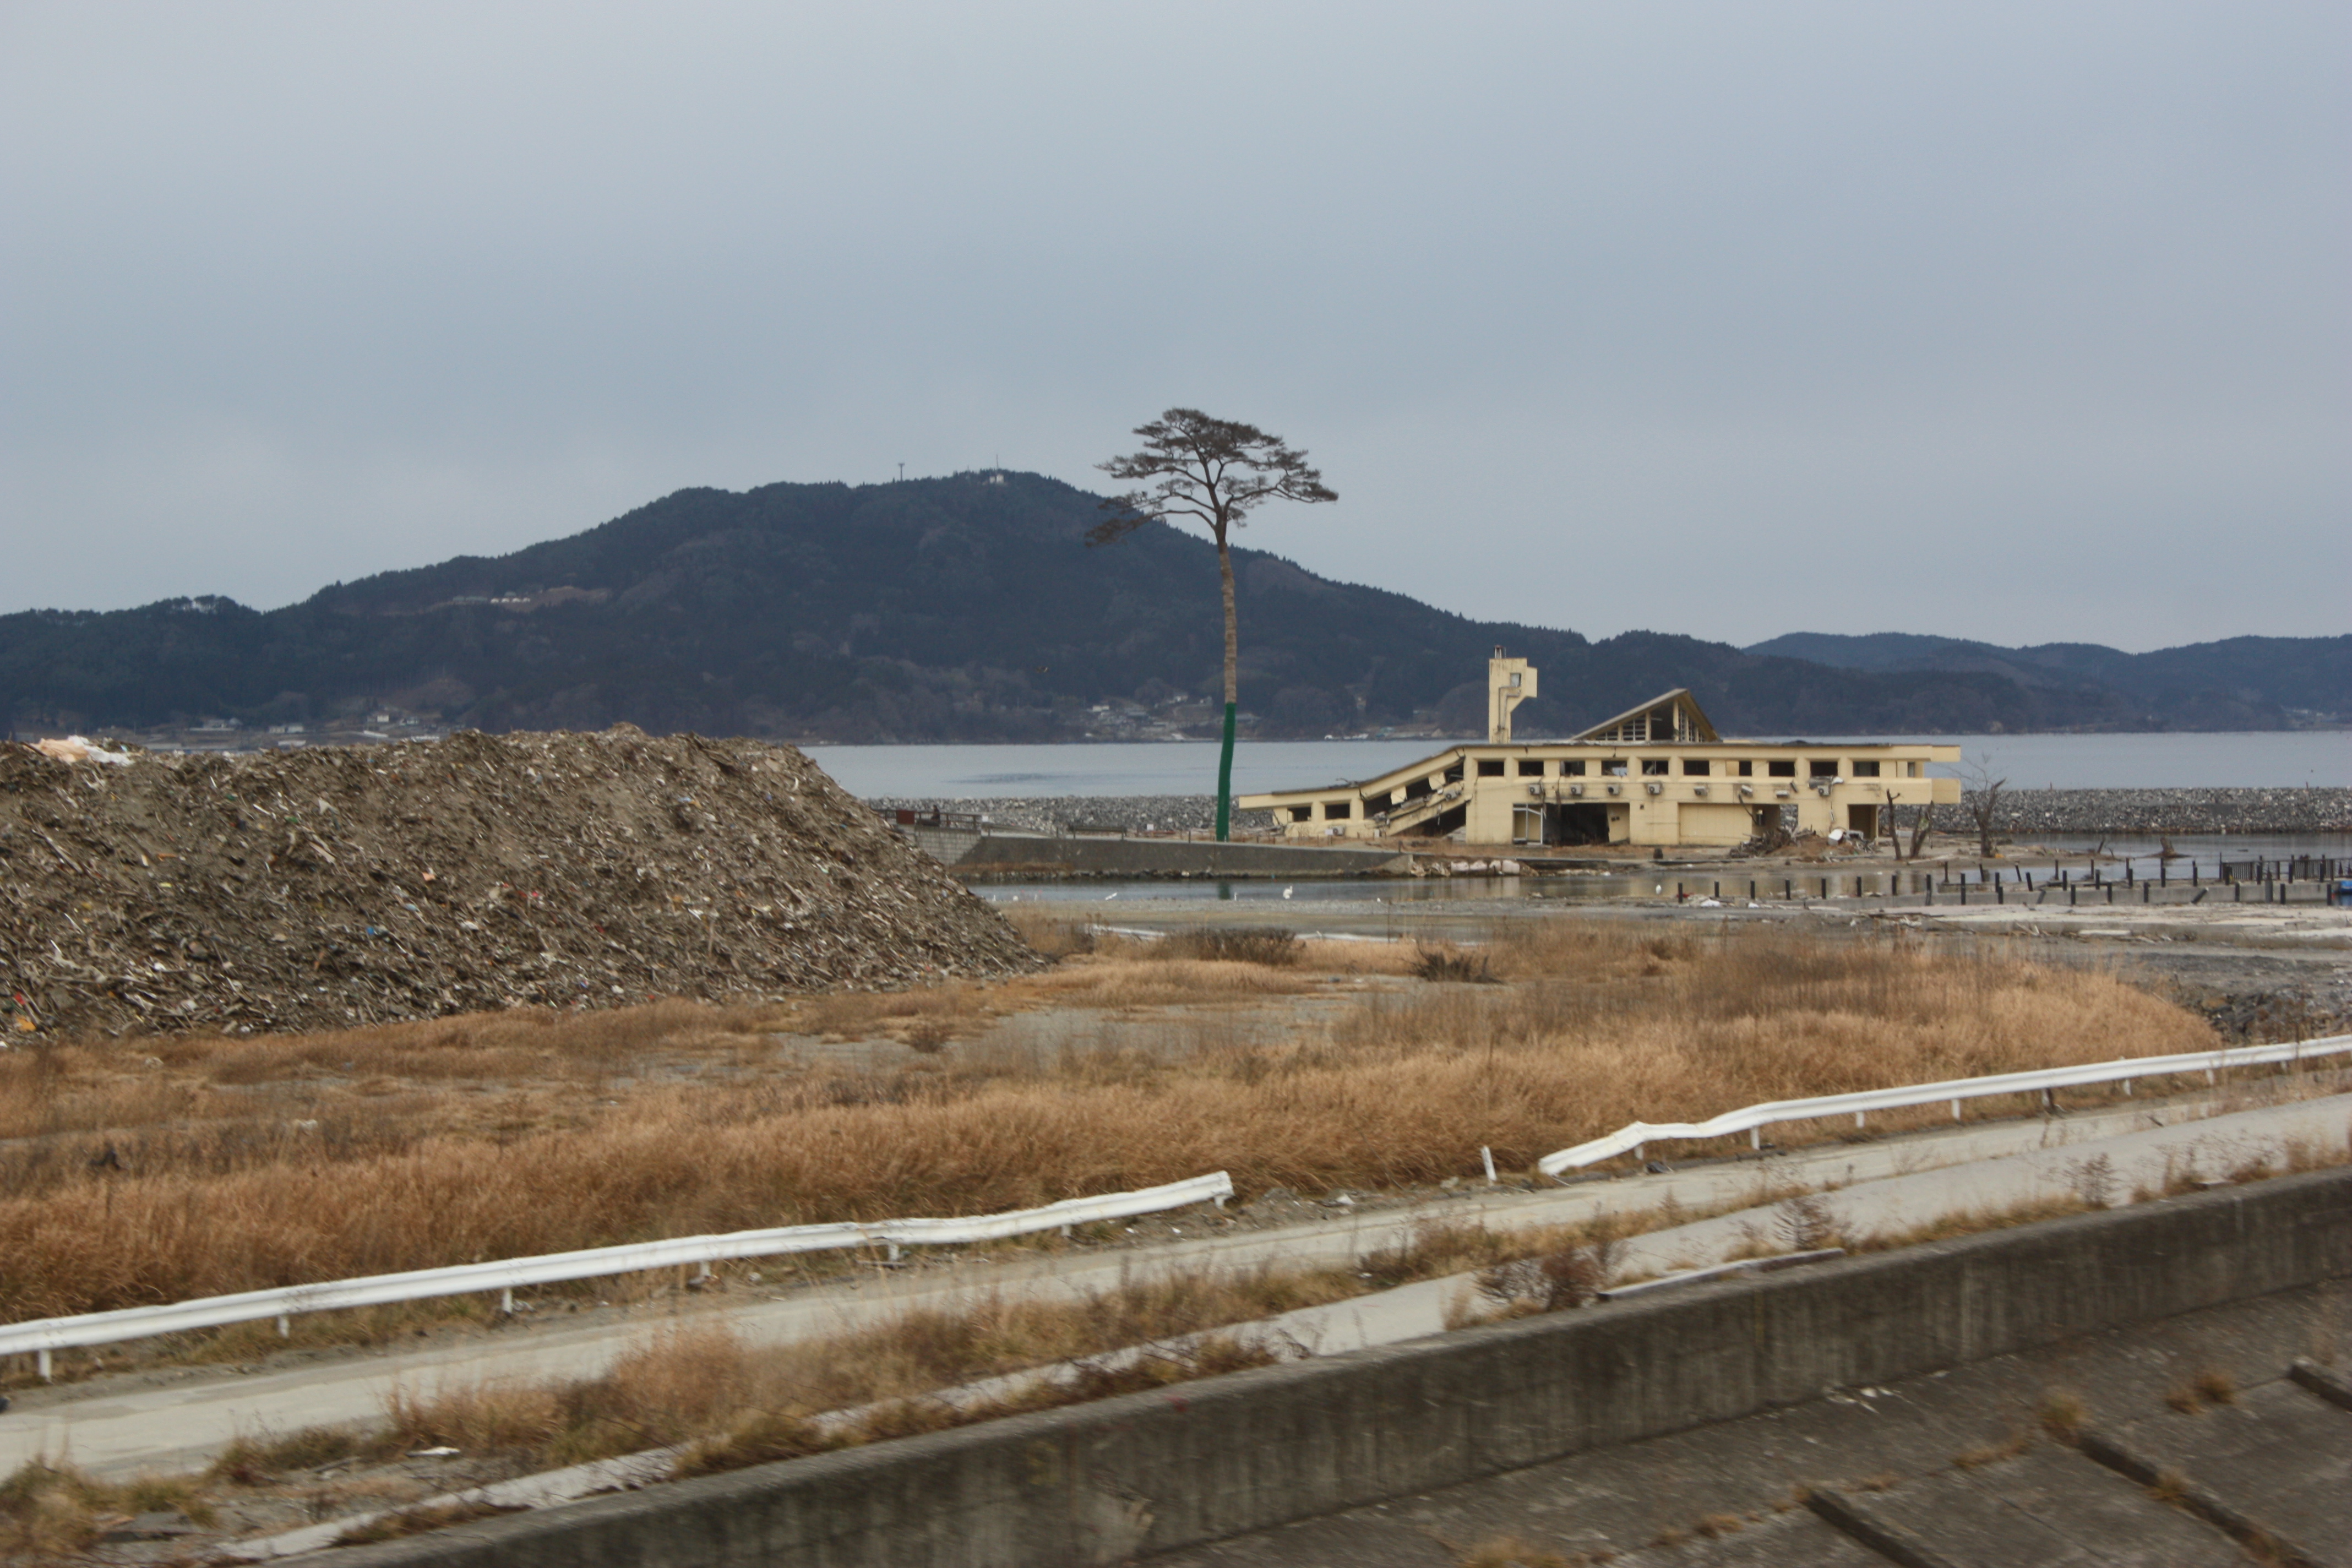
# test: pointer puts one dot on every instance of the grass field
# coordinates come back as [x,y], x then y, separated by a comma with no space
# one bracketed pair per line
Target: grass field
[147,1170]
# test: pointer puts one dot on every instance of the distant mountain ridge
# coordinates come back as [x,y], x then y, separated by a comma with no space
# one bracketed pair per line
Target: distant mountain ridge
[2308,679]
[969,608]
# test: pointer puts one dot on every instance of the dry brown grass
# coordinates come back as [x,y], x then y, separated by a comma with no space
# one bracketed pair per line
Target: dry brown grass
[1512,1552]
[534,1132]
[1984,1454]
[48,1513]
[727,1404]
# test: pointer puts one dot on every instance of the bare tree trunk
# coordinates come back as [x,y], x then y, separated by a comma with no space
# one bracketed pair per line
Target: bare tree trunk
[1232,635]
[1232,693]
[1919,834]
[1988,803]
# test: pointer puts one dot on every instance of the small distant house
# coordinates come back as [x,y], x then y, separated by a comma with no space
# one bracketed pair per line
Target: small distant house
[1657,773]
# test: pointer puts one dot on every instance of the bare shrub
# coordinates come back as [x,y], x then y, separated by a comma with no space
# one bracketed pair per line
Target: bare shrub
[1808,1222]
[1273,946]
[1452,963]
[2094,1181]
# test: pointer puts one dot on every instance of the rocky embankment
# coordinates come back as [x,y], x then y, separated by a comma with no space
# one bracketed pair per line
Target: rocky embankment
[1063,812]
[335,886]
[2022,813]
[2026,814]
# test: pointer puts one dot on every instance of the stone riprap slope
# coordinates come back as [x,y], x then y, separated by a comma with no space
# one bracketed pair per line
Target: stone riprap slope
[2022,814]
[1058,812]
[332,887]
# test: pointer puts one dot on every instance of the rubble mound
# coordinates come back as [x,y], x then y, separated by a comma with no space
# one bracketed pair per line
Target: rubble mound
[330,887]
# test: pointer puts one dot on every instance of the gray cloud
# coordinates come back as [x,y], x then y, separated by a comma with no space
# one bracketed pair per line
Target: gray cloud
[2024,322]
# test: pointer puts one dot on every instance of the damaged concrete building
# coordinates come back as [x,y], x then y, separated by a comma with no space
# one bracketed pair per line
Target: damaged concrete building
[1654,774]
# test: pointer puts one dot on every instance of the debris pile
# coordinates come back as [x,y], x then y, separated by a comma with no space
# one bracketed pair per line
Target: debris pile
[330,887]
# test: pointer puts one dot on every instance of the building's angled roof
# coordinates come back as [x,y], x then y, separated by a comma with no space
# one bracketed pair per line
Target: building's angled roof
[1670,716]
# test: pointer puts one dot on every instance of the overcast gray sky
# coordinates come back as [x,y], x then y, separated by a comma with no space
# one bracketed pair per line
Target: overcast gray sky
[2021,322]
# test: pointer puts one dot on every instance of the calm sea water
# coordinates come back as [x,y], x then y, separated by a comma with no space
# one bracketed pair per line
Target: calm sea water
[2267,760]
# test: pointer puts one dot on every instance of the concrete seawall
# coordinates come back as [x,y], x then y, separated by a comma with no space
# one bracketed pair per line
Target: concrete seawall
[1098,1483]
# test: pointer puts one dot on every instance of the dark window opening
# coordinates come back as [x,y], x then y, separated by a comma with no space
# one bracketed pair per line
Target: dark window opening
[1490,767]
[1453,774]
[1782,770]
[1653,767]
[1615,770]
[1416,789]
[1339,810]
[1822,767]
[1697,767]
[1865,769]
[1573,769]
[1302,814]
[1531,767]
[1748,770]
[1576,825]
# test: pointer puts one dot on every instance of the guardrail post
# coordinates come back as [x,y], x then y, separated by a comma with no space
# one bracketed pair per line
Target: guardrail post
[285,1327]
[1488,1155]
[1857,1118]
[505,1302]
[1955,1111]
[894,1250]
[42,1361]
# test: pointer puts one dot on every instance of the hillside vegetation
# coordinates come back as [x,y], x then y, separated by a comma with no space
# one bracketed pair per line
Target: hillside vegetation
[962,608]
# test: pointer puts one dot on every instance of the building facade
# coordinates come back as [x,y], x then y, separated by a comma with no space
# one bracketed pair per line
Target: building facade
[1655,774]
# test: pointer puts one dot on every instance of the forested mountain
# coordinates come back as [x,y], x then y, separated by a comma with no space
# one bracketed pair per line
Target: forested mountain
[970,608]
[2221,685]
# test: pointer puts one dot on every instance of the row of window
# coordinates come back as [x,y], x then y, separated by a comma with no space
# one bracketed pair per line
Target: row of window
[1816,768]
[1692,767]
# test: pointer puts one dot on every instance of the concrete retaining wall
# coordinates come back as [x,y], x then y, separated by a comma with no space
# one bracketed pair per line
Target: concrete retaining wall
[1149,1472]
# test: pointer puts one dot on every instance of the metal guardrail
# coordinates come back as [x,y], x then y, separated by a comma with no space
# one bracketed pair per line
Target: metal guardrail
[1752,1118]
[44,1335]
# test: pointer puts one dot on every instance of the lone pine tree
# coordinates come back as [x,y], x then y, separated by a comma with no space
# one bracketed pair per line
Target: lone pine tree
[1214,471]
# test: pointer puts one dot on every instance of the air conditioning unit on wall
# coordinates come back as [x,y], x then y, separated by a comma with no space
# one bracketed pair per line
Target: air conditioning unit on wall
[1576,791]
[1656,788]
[1698,789]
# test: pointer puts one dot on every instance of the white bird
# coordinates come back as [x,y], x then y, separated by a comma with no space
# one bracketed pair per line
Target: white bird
[1288,891]
[1108,897]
